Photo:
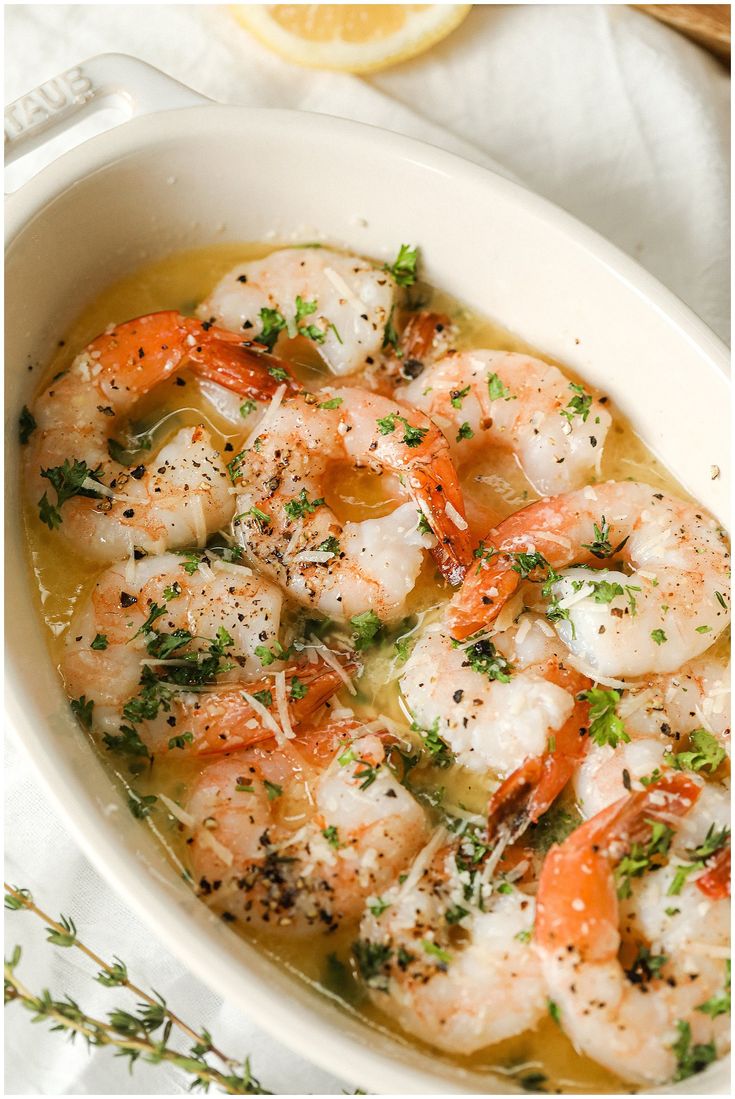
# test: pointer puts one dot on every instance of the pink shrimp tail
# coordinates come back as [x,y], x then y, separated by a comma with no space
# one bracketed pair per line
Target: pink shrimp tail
[577,903]
[715,882]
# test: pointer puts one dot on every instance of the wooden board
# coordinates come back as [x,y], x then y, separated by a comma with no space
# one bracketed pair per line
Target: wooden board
[707,24]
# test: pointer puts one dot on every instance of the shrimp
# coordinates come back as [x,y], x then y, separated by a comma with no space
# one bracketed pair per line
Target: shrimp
[102,506]
[182,652]
[667,612]
[439,948]
[297,837]
[287,527]
[507,706]
[654,1022]
[499,398]
[665,718]
[342,303]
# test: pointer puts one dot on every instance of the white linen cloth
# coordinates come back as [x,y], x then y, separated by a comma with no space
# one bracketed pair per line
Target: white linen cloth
[611,115]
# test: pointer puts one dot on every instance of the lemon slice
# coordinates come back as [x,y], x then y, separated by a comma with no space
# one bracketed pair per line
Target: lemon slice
[354,38]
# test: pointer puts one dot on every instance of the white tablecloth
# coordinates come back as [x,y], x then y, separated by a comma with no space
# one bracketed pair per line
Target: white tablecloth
[611,115]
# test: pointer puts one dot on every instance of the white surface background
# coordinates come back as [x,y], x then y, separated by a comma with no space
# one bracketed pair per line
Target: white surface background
[612,116]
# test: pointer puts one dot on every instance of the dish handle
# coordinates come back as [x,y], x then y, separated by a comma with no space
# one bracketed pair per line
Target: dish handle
[70,101]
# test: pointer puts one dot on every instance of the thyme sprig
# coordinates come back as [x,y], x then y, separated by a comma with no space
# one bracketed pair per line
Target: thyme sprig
[130,1033]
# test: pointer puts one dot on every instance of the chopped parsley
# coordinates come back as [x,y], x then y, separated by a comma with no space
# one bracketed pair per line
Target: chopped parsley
[180,741]
[390,336]
[606,727]
[193,560]
[690,1059]
[331,835]
[643,857]
[658,636]
[601,546]
[423,526]
[440,752]
[128,742]
[497,389]
[233,466]
[704,753]
[458,395]
[329,545]
[371,959]
[267,656]
[526,563]
[333,402]
[412,436]
[301,506]
[272,789]
[247,407]
[262,519]
[141,805]
[718,1005]
[82,708]
[465,432]
[697,857]
[311,331]
[272,324]
[554,1011]
[297,689]
[100,642]
[403,268]
[68,480]
[645,966]
[367,626]
[579,404]
[455,914]
[378,906]
[483,658]
[442,956]
[265,698]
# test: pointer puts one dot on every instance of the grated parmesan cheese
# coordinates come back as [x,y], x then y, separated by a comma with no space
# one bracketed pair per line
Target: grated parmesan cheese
[452,514]
[176,811]
[207,840]
[282,705]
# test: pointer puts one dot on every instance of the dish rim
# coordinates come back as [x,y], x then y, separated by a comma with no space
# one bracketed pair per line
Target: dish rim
[115,863]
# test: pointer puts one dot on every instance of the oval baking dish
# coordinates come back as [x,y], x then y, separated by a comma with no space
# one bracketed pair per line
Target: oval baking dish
[186,173]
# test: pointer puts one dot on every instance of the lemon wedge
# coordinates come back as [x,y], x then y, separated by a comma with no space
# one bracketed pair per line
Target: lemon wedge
[354,38]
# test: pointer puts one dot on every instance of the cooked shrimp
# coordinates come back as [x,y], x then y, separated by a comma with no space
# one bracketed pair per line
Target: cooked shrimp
[345,569]
[668,611]
[182,652]
[662,716]
[503,399]
[297,837]
[342,303]
[447,955]
[649,1024]
[103,507]
[500,702]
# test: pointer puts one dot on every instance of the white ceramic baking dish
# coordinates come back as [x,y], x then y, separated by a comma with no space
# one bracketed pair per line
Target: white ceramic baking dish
[183,172]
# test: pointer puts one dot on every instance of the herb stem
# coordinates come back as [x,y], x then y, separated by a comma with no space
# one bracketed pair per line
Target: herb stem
[29,904]
[66,1015]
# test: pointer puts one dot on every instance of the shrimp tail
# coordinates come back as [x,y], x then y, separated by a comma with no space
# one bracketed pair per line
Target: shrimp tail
[420,335]
[242,366]
[436,491]
[715,881]
[577,897]
[481,598]
[508,811]
[226,720]
[532,788]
